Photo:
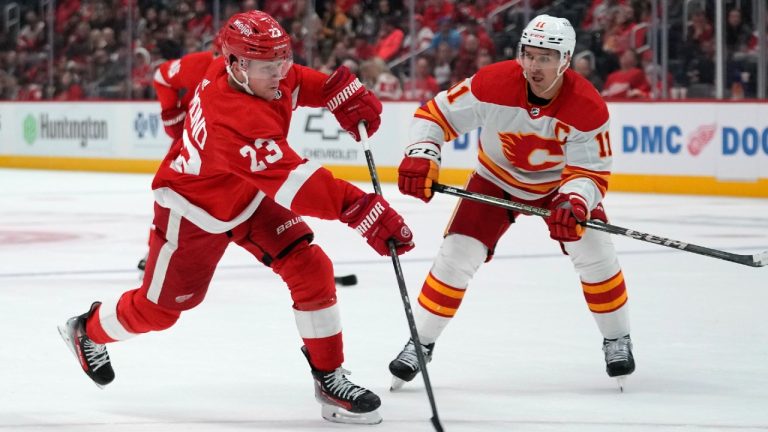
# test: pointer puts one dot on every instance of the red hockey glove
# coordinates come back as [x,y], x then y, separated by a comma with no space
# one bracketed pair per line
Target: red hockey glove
[375,220]
[173,121]
[419,169]
[351,102]
[567,211]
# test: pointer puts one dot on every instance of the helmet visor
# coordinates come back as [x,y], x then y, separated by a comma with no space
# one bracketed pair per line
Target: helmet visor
[262,69]
[538,58]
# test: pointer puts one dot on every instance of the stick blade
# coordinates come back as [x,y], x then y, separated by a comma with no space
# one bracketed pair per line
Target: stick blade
[436,424]
[761,259]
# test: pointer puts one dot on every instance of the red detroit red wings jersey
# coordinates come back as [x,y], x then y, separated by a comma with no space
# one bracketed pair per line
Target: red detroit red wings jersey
[234,152]
[527,150]
[175,80]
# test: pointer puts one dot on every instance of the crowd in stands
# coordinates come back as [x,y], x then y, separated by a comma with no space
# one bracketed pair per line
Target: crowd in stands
[95,42]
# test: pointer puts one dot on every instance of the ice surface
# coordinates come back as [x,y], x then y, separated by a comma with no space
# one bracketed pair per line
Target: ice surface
[523,354]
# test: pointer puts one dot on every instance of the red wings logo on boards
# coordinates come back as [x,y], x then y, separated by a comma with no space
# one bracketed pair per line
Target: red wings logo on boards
[531,152]
[699,138]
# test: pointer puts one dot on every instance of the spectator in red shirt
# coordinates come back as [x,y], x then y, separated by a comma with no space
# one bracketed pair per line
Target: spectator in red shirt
[390,41]
[68,88]
[700,29]
[467,58]
[361,49]
[376,76]
[30,92]
[628,82]
[435,11]
[141,75]
[202,21]
[423,86]
[280,9]
[32,34]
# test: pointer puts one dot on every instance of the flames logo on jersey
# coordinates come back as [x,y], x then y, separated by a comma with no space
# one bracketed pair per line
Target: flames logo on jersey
[531,152]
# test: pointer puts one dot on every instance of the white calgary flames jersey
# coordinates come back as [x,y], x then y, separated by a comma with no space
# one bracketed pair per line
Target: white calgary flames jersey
[527,150]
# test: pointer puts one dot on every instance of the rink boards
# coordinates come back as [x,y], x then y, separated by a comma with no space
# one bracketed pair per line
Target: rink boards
[662,147]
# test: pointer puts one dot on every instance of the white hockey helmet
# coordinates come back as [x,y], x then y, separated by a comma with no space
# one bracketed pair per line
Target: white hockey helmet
[546,31]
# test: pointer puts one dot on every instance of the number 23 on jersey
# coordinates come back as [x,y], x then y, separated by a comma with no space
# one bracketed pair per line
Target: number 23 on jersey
[270,154]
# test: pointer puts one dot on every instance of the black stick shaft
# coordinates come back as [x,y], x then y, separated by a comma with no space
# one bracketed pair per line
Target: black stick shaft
[401,285]
[756,260]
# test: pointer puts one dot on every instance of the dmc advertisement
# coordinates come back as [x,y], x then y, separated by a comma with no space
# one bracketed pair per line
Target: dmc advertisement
[728,141]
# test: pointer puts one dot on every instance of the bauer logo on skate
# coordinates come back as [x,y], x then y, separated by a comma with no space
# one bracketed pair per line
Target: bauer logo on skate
[345,94]
[374,214]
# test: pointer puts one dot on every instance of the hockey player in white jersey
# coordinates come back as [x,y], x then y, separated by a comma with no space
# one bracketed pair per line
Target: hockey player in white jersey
[544,142]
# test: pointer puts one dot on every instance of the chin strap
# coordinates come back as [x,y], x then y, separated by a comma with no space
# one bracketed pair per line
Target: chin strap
[560,72]
[554,81]
[244,85]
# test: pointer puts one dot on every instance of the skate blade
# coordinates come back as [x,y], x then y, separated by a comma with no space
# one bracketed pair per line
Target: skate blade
[397,384]
[340,415]
[64,333]
[620,380]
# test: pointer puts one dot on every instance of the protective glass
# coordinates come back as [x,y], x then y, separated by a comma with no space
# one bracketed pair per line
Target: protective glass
[260,69]
[548,60]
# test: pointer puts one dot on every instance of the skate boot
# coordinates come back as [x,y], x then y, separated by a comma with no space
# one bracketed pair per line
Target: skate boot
[406,365]
[93,357]
[619,361]
[343,401]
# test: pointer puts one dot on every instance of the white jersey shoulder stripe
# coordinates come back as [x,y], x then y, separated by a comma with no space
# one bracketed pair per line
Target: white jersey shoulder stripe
[170,199]
[160,79]
[294,182]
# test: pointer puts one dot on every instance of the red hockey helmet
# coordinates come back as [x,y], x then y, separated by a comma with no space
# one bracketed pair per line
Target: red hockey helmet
[255,36]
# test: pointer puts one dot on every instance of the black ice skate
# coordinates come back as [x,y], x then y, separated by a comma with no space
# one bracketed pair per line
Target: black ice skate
[343,401]
[405,366]
[619,361]
[93,357]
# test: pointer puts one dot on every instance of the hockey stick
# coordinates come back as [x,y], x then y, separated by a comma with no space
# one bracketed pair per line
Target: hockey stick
[401,284]
[756,260]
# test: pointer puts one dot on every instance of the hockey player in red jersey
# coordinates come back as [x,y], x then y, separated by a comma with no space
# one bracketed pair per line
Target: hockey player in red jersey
[233,178]
[544,142]
[174,82]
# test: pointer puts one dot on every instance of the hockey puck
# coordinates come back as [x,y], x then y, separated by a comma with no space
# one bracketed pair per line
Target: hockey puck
[347,280]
